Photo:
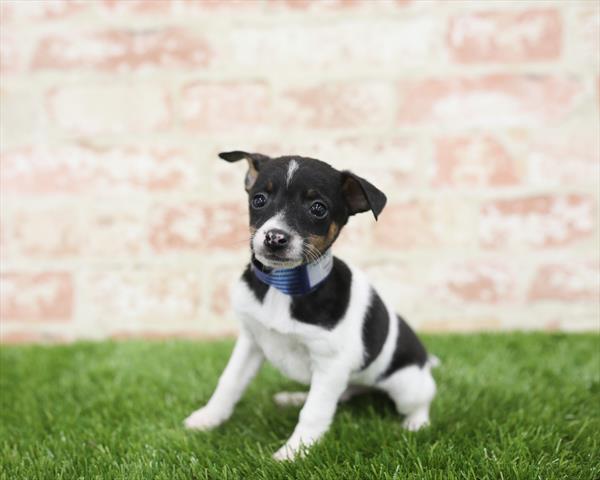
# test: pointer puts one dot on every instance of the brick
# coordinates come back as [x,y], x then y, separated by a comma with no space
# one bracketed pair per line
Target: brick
[425,223]
[394,282]
[226,177]
[461,324]
[5,244]
[490,101]
[363,44]
[586,323]
[157,335]
[320,6]
[85,168]
[563,157]
[585,35]
[331,106]
[566,282]
[505,36]
[110,109]
[115,230]
[120,7]
[475,282]
[386,162]
[473,161]
[11,60]
[43,297]
[222,279]
[120,51]
[357,235]
[198,226]
[309,5]
[46,231]
[177,228]
[117,299]
[227,227]
[537,221]
[175,7]
[42,9]
[19,336]
[219,5]
[21,115]
[210,106]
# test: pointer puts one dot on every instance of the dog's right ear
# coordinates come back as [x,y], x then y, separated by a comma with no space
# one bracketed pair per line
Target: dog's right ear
[255,162]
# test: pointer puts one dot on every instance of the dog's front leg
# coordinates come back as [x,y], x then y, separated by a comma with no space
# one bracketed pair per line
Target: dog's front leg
[327,385]
[243,365]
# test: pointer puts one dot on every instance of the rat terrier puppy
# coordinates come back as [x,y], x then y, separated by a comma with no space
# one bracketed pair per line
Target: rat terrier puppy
[316,319]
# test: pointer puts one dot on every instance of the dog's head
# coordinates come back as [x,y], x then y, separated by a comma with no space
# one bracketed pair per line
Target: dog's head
[299,205]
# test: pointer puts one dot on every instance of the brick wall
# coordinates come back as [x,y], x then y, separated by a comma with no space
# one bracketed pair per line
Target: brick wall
[478,119]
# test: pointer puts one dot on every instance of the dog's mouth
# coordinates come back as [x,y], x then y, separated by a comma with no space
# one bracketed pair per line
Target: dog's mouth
[278,260]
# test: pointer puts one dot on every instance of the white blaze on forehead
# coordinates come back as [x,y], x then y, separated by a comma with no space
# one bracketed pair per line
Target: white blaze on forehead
[292,167]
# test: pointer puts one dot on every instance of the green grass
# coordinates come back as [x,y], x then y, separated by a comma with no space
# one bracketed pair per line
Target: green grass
[514,406]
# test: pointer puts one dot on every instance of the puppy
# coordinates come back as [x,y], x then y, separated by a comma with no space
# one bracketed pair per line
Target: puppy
[316,319]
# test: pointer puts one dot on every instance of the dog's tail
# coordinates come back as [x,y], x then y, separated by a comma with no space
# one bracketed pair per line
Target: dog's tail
[433,361]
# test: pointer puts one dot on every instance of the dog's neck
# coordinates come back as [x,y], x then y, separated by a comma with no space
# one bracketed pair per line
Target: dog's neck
[298,280]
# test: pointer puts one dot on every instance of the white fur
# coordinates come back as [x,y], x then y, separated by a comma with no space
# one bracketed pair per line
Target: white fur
[327,360]
[292,167]
[290,399]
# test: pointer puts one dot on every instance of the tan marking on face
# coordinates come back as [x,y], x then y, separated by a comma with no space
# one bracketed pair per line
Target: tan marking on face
[323,242]
[334,228]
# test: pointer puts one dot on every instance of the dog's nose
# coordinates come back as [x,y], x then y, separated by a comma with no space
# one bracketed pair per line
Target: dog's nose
[276,239]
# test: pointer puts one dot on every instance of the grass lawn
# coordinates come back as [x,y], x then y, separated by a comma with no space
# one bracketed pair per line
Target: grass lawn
[510,406]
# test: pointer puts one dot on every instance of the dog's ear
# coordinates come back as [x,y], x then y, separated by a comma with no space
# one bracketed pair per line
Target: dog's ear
[361,195]
[255,162]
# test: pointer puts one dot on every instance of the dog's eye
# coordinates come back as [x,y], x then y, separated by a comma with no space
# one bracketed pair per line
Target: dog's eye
[318,209]
[259,200]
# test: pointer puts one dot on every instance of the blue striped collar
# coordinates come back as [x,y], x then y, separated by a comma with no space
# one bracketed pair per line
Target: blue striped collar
[299,280]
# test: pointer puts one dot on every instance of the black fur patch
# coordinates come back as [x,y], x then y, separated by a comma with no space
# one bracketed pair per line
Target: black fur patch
[327,305]
[409,350]
[259,288]
[375,329]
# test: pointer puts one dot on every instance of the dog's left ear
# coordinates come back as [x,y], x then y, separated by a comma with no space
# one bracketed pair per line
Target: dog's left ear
[361,195]
[255,162]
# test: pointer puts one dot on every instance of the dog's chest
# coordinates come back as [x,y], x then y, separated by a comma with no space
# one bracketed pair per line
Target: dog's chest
[289,355]
[286,343]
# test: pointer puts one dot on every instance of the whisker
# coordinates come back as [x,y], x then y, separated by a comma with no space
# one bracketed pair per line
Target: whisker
[315,250]
[311,252]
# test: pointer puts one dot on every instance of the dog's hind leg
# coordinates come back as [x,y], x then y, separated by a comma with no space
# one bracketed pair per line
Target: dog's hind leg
[290,399]
[297,399]
[412,389]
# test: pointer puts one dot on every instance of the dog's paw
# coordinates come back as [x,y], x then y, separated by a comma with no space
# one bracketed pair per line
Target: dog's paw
[288,453]
[416,421]
[204,419]
[290,399]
